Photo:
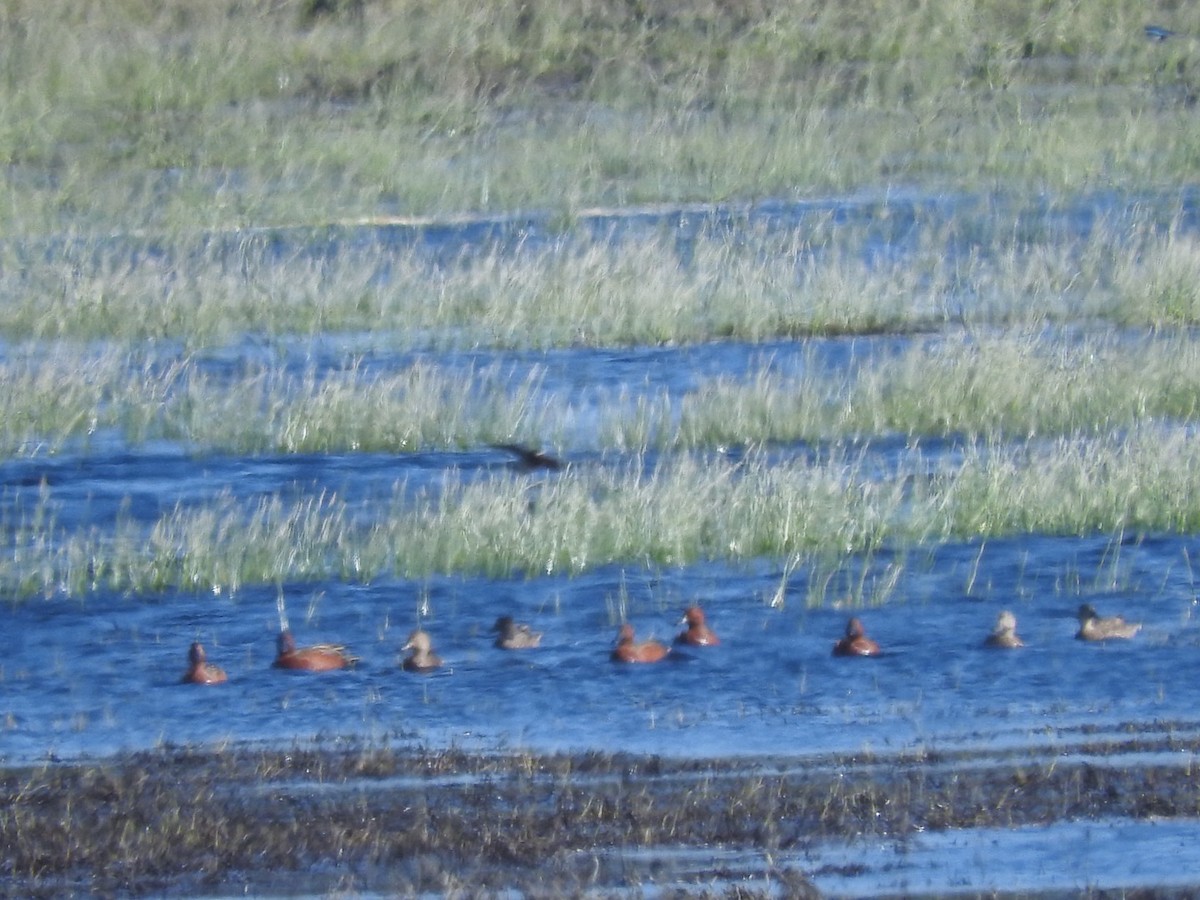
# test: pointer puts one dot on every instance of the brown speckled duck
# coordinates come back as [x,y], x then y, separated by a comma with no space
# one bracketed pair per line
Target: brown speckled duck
[1004,632]
[1093,627]
[421,658]
[512,635]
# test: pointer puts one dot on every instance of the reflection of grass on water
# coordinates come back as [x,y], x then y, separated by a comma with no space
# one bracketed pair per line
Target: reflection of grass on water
[686,510]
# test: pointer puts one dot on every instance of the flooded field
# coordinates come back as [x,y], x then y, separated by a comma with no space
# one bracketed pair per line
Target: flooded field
[393,819]
[764,765]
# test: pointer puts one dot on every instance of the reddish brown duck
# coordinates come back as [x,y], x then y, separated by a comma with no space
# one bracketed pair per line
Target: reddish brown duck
[698,634]
[317,658]
[200,670]
[629,650]
[855,642]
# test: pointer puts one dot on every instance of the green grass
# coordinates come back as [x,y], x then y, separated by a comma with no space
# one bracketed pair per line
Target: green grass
[684,511]
[154,154]
[1015,385]
[180,115]
[750,284]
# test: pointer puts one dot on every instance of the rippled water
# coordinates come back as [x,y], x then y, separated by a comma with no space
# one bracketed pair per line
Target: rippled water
[1111,855]
[89,677]
[100,675]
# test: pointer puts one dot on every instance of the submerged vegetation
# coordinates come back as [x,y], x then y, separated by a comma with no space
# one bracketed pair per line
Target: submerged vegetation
[381,819]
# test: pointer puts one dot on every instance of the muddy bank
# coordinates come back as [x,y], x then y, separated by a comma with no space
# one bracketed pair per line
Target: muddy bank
[401,820]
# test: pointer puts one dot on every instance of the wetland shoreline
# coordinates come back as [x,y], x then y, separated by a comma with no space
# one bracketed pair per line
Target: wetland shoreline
[391,820]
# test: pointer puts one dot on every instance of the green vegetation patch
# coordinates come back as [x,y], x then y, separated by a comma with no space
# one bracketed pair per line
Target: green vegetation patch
[685,510]
[179,115]
[994,386]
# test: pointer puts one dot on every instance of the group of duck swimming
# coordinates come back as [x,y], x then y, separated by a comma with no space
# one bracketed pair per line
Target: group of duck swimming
[315,658]
[511,635]
[1092,627]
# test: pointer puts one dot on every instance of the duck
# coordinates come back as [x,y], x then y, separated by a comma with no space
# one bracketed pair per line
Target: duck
[630,651]
[1094,627]
[422,658]
[317,658]
[856,642]
[512,635]
[200,671]
[530,460]
[698,634]
[1004,632]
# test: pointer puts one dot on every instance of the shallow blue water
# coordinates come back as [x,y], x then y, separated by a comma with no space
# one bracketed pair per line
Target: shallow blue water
[100,675]
[1108,855]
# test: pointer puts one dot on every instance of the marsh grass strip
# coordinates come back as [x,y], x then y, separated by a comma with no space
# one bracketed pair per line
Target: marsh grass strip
[1020,384]
[177,117]
[683,510]
[671,284]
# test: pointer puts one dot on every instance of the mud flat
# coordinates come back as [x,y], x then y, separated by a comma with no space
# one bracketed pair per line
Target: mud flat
[396,819]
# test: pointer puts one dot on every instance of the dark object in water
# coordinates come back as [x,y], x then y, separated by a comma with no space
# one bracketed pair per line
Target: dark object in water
[530,459]
[1158,33]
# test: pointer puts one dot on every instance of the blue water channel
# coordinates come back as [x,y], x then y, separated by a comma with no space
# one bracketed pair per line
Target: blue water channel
[98,675]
